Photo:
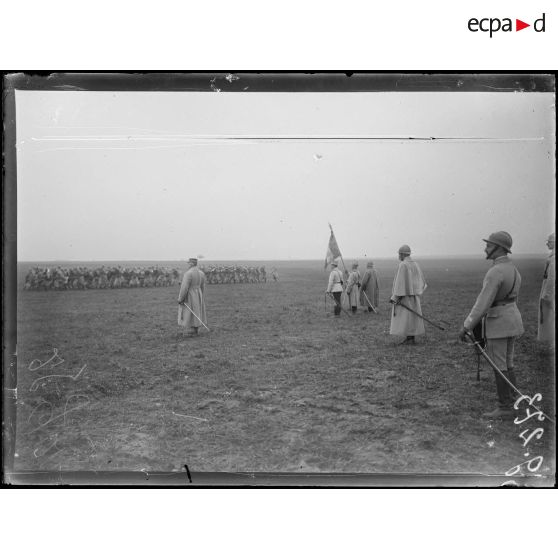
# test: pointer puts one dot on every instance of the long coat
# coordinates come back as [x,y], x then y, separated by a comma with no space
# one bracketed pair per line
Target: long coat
[496,302]
[546,302]
[370,286]
[408,287]
[353,283]
[191,292]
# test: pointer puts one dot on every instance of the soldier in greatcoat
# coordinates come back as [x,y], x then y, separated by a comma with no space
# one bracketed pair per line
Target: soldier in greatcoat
[192,295]
[546,299]
[353,286]
[408,287]
[369,286]
[496,305]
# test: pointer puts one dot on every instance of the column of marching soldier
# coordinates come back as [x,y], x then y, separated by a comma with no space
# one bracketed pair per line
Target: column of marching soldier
[104,277]
[117,277]
[495,311]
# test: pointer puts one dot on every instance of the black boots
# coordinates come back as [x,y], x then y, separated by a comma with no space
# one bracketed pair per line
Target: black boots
[409,341]
[506,396]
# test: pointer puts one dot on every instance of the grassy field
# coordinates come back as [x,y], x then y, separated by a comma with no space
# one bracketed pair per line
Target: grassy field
[278,385]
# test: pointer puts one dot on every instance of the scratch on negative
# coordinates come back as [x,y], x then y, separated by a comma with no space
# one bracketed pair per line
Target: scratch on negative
[38,407]
[189,416]
[61,415]
[76,396]
[35,384]
[49,447]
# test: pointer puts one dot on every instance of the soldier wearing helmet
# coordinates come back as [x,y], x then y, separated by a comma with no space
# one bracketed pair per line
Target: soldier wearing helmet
[496,308]
[545,332]
[408,287]
[369,288]
[353,286]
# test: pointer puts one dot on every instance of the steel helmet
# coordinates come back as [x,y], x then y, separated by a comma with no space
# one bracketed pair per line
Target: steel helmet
[404,249]
[502,239]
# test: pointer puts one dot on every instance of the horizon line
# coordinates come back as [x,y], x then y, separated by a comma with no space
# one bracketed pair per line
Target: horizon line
[352,259]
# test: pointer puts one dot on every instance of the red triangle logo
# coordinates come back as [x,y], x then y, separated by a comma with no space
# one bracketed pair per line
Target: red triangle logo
[519,25]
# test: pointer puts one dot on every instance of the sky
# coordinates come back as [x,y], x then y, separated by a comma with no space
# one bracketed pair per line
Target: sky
[248,176]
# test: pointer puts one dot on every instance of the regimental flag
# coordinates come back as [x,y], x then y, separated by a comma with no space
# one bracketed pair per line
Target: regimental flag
[333,251]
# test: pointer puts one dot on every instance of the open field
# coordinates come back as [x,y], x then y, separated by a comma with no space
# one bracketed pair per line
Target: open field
[278,384]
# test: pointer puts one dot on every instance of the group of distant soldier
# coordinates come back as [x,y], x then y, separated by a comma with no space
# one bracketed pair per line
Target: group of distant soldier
[224,274]
[104,277]
[118,277]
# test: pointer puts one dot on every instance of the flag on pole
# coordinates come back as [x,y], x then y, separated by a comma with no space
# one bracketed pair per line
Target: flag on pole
[332,249]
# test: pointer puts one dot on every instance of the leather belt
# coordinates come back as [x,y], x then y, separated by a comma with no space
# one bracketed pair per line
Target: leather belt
[502,302]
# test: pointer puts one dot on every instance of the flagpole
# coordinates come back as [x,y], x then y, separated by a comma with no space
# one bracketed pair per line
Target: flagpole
[340,255]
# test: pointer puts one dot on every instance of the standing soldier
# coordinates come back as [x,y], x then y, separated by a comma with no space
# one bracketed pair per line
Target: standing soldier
[274,274]
[82,283]
[546,298]
[353,286]
[335,287]
[103,278]
[369,286]
[134,281]
[28,280]
[496,306]
[117,278]
[191,309]
[48,280]
[408,287]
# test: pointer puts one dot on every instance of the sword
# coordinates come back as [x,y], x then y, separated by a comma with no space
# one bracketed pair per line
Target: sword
[368,300]
[419,315]
[496,369]
[195,315]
